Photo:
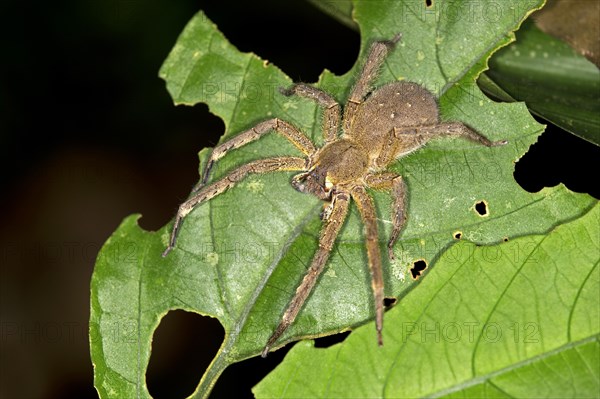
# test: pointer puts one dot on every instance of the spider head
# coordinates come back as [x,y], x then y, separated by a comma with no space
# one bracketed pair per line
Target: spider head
[313,182]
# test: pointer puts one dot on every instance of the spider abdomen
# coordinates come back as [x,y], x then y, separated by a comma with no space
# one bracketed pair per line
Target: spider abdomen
[397,104]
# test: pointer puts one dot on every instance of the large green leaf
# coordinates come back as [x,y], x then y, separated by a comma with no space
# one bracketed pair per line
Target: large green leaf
[240,256]
[515,320]
[555,81]
[340,10]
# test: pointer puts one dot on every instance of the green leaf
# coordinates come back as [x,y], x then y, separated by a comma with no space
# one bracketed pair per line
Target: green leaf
[241,255]
[556,82]
[518,319]
[339,9]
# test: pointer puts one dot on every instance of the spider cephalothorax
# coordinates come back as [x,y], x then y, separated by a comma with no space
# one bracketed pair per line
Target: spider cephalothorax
[378,127]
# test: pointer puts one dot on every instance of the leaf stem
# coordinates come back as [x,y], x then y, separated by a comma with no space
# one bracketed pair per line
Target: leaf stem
[212,374]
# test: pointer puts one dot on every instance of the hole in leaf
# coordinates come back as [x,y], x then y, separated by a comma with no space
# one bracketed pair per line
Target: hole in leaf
[539,168]
[505,239]
[330,340]
[388,302]
[183,346]
[312,42]
[418,267]
[481,208]
[428,3]
[457,235]
[238,379]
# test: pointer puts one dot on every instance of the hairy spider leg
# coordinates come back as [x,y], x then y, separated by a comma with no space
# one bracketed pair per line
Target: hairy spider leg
[329,232]
[377,54]
[277,125]
[366,208]
[331,113]
[255,167]
[403,140]
[417,136]
[392,182]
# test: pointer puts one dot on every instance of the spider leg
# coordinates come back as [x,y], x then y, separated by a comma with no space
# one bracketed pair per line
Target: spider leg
[389,150]
[331,114]
[284,128]
[395,183]
[327,238]
[214,189]
[369,217]
[419,135]
[377,53]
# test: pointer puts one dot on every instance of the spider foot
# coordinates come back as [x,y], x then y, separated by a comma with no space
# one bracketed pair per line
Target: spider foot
[396,38]
[391,255]
[265,351]
[287,92]
[197,187]
[499,143]
[166,251]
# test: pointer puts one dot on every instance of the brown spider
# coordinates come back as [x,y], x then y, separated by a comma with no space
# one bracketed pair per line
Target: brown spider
[392,121]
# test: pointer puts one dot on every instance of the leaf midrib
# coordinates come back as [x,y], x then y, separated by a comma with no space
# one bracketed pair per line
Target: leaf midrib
[141,378]
[239,323]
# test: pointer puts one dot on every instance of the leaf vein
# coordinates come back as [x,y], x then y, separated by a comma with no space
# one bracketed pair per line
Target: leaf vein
[576,299]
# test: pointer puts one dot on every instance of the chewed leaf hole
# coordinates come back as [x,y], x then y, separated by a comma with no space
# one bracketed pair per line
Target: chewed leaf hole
[457,235]
[417,269]
[428,3]
[481,207]
[505,239]
[389,301]
[326,342]
[183,343]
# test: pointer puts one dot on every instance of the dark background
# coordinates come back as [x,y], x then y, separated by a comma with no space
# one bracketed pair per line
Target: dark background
[89,135]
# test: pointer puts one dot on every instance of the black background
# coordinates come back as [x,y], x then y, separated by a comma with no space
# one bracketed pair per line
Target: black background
[89,135]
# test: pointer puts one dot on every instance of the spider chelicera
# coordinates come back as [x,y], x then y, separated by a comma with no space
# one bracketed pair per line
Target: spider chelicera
[378,127]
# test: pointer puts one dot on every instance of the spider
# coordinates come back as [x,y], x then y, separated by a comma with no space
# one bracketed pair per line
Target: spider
[378,127]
